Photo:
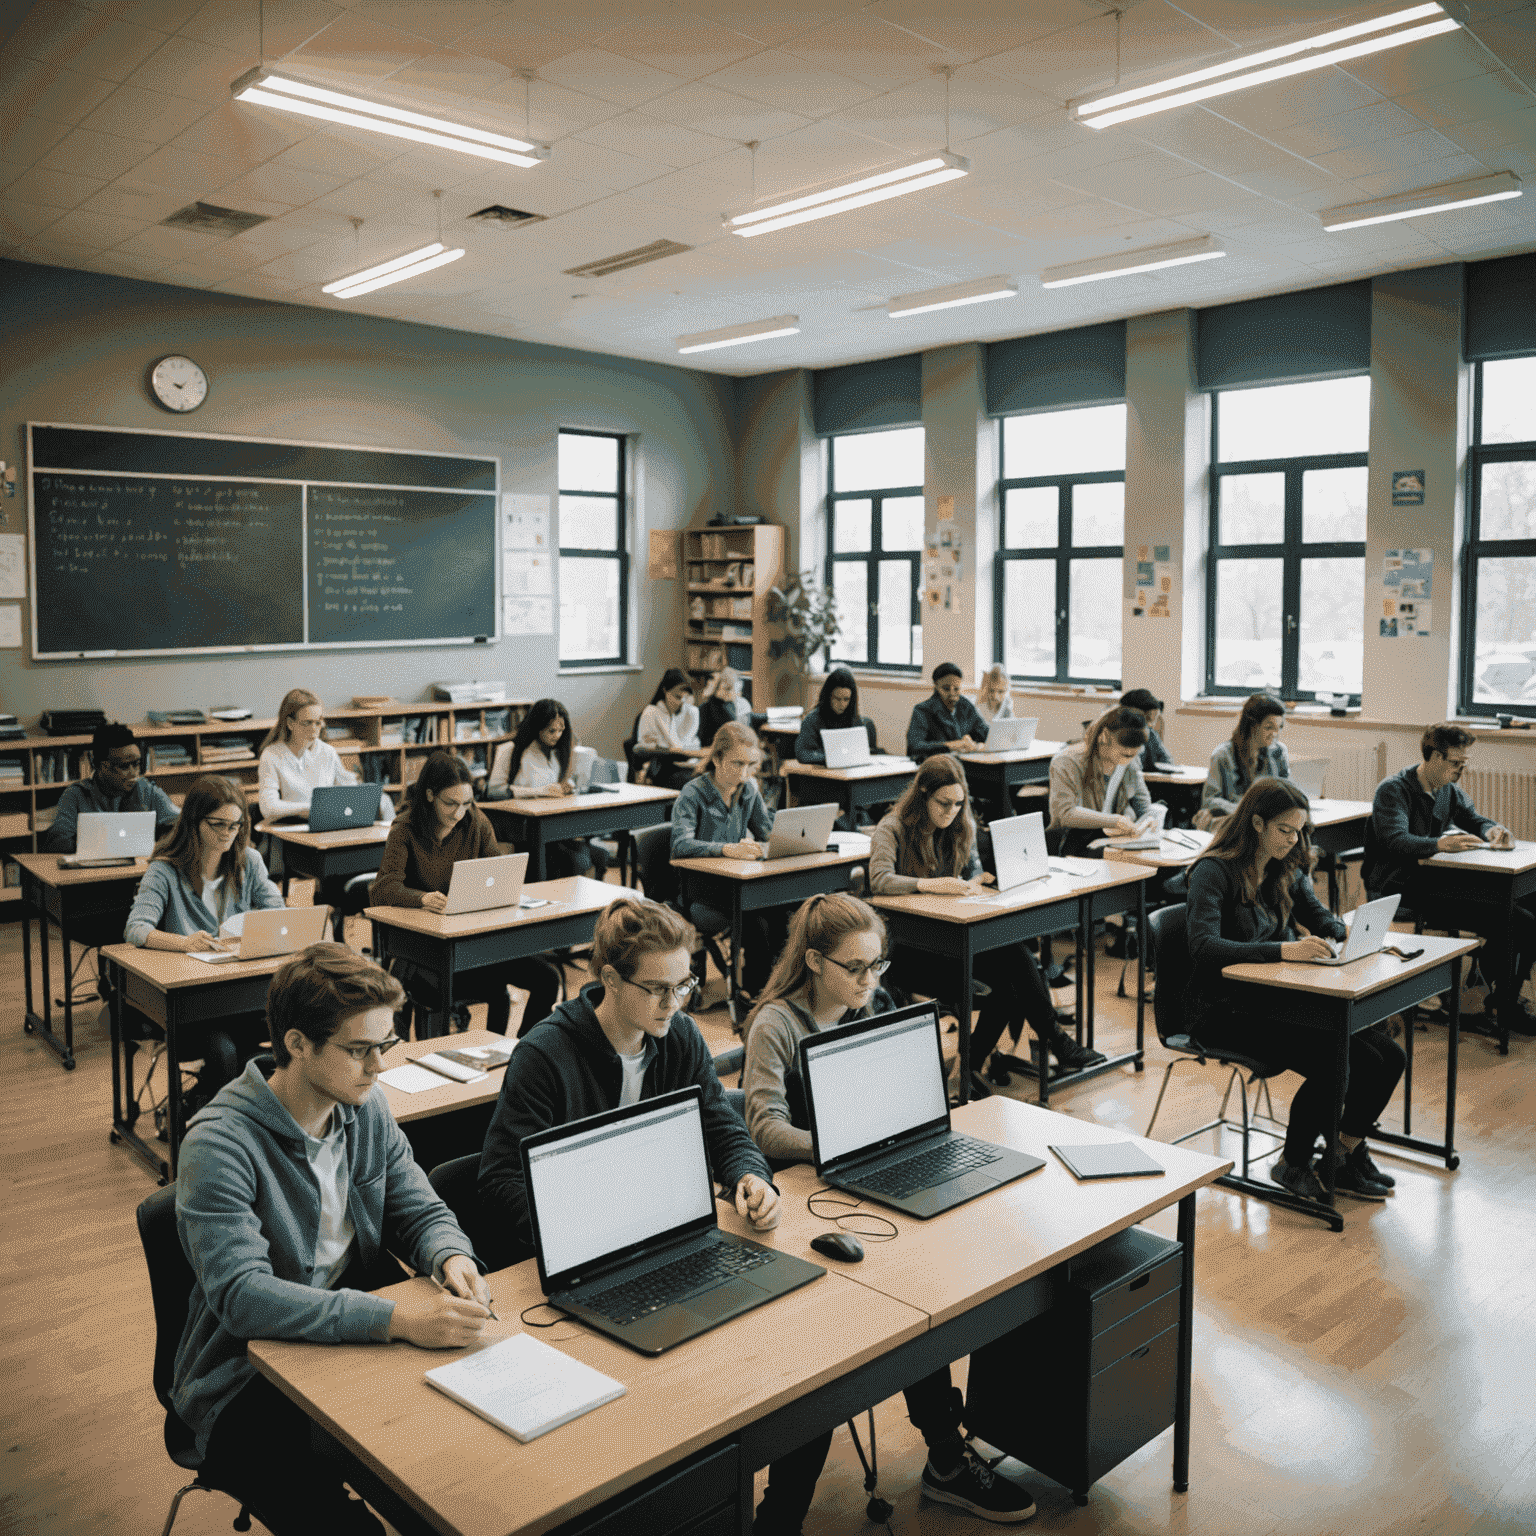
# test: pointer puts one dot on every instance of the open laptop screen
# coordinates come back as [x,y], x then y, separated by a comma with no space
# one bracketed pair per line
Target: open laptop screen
[875,1083]
[624,1180]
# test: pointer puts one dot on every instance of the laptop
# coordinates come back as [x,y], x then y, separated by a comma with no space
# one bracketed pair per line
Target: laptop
[624,1225]
[343,806]
[479,884]
[1018,847]
[1308,773]
[1010,735]
[803,829]
[874,1090]
[106,838]
[1368,932]
[262,934]
[846,749]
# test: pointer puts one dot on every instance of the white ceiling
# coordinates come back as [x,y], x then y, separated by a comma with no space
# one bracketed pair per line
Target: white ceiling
[116,113]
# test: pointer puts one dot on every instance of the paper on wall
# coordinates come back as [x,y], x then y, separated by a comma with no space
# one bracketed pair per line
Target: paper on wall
[526,575]
[527,616]
[10,626]
[13,565]
[524,522]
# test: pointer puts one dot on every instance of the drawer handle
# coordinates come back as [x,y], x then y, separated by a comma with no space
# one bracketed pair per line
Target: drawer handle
[1145,1348]
[1136,1285]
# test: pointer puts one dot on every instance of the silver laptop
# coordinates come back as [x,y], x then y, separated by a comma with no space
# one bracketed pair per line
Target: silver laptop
[1018,847]
[262,934]
[342,806]
[1308,773]
[846,749]
[1367,933]
[480,884]
[803,829]
[111,837]
[623,1214]
[874,1091]
[1010,735]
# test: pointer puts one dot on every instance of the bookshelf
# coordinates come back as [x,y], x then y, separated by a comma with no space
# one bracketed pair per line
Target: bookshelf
[387,745]
[730,572]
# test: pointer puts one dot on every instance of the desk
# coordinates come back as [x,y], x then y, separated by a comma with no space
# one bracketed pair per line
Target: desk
[447,1122]
[993,776]
[535,823]
[876,782]
[778,743]
[95,900]
[318,856]
[859,1336]
[447,945]
[1499,876]
[175,991]
[1337,827]
[754,885]
[960,928]
[1348,998]
[1181,785]
[1176,851]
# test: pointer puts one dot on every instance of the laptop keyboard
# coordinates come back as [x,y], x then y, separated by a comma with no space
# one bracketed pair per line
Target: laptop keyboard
[949,1161]
[673,1282]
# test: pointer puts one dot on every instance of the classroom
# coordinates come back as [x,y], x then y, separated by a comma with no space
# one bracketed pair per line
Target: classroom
[1006,530]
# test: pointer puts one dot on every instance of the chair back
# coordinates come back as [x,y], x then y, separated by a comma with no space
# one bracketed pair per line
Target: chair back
[606,771]
[1168,932]
[653,858]
[457,1183]
[170,1287]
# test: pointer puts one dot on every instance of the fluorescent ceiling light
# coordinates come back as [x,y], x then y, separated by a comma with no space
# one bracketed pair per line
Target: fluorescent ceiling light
[739,335]
[952,297]
[1150,259]
[854,194]
[1337,47]
[288,95]
[396,271]
[1412,205]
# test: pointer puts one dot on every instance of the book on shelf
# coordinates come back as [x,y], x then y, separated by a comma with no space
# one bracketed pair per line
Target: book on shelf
[175,716]
[466,730]
[498,722]
[342,732]
[230,712]
[472,692]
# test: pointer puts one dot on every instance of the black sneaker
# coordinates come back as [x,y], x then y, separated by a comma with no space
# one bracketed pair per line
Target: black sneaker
[1350,1179]
[1072,1056]
[973,1485]
[998,1074]
[1361,1158]
[1298,1181]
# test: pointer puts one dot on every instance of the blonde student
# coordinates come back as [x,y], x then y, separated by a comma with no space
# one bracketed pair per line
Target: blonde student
[1096,785]
[994,699]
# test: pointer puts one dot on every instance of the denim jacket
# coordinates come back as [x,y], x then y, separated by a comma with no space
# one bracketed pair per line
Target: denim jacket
[166,900]
[1225,786]
[702,823]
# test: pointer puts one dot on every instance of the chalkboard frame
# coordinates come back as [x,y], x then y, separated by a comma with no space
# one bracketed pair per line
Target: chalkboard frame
[487,466]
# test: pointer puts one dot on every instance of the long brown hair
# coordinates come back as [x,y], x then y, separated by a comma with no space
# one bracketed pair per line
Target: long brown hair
[732,733]
[1257,708]
[925,851]
[293,701]
[1129,729]
[822,923]
[1237,842]
[182,845]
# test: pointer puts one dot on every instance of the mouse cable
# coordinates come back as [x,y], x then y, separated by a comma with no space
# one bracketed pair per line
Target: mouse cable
[850,1212]
[558,1318]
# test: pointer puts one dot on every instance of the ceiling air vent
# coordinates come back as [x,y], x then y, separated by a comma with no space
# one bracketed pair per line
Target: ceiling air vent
[627,259]
[505,218]
[210,219]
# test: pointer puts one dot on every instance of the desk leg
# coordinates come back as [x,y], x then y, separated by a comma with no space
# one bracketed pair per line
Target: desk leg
[1335,1103]
[69,1004]
[1142,938]
[536,848]
[447,990]
[28,887]
[1509,993]
[733,990]
[115,1016]
[1408,1033]
[1182,1387]
[173,1105]
[1452,1161]
[1090,964]
[963,1015]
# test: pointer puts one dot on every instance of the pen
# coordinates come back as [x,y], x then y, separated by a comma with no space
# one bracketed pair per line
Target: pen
[490,1301]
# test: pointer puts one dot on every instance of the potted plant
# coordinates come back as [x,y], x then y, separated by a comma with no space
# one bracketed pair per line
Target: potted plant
[806,610]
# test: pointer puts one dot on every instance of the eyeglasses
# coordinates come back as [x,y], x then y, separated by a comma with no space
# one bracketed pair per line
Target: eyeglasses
[359,1053]
[677,995]
[221,826]
[858,970]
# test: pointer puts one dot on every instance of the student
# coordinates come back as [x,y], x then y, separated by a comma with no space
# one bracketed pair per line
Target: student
[720,815]
[440,825]
[1151,706]
[946,722]
[836,710]
[828,974]
[721,701]
[202,872]
[291,1186]
[926,846]
[1246,893]
[670,723]
[994,699]
[114,786]
[1254,752]
[536,764]
[1422,811]
[1096,786]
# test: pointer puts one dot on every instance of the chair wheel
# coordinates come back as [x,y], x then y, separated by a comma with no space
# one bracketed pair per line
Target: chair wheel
[879,1511]
[1453,1163]
[242,1521]
[113,1137]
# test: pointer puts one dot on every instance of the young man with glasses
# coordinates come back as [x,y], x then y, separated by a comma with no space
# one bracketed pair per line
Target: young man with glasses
[294,1186]
[1422,811]
[115,787]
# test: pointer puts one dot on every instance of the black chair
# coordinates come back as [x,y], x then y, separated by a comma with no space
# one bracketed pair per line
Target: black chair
[457,1183]
[659,881]
[170,1285]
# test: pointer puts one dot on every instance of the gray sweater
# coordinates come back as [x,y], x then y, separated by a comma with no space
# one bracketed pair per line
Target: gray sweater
[166,900]
[1071,798]
[1226,785]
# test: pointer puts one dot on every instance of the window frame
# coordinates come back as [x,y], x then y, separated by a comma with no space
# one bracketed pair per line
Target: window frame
[620,554]
[871,560]
[1291,551]
[1475,549]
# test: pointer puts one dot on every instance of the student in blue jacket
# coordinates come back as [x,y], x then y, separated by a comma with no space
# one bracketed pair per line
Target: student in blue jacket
[947,721]
[294,1186]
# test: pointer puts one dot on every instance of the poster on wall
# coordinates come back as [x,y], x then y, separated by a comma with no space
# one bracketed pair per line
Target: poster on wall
[1152,589]
[1407,593]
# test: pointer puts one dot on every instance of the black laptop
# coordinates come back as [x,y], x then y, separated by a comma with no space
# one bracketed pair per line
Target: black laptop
[874,1090]
[342,806]
[624,1222]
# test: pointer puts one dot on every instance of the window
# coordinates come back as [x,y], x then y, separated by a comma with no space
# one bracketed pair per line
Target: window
[1056,595]
[1285,595]
[875,545]
[594,552]
[1498,648]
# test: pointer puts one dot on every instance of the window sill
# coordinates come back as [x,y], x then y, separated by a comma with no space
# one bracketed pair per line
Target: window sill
[602,670]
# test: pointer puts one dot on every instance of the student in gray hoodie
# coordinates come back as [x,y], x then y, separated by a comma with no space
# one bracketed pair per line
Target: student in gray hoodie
[292,1185]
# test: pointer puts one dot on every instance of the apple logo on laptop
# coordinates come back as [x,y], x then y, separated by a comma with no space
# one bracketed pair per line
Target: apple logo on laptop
[282,933]
[346,810]
[490,880]
[122,831]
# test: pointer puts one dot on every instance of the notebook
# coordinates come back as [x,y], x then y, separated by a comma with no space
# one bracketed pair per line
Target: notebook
[1308,774]
[1107,1160]
[524,1386]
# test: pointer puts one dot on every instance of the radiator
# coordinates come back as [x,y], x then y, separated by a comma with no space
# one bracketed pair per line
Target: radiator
[1508,797]
[1354,774]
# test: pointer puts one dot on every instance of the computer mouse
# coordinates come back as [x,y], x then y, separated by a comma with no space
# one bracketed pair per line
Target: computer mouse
[839,1245]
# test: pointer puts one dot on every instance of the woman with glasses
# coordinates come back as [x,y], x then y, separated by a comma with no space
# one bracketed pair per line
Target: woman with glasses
[202,873]
[926,846]
[440,825]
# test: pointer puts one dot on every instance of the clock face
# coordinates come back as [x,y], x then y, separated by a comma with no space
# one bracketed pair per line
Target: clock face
[179,384]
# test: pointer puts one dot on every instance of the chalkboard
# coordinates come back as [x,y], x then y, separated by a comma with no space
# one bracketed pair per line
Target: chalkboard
[145,543]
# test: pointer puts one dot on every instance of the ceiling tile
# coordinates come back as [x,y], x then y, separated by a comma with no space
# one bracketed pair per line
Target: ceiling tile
[19,219]
[96,229]
[197,175]
[160,15]
[1409,155]
[1434,61]
[172,244]
[279,184]
[96,154]
[93,43]
[450,81]
[241,134]
[1209,141]
[660,142]
[685,46]
[518,42]
[870,51]
[268,30]
[338,155]
[978,28]
[444,21]
[799,85]
[723,114]
[609,77]
[1266,109]
[912,117]
[556,111]
[1507,142]
[361,49]
[775,22]
[602,167]
[1511,37]
[26,140]
[1469,100]
[151,116]
[1364,125]
[276,238]
[53,189]
[47,91]
[256,285]
[181,67]
[128,199]
[1390,181]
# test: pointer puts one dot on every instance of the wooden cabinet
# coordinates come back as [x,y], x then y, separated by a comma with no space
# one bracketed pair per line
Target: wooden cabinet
[730,572]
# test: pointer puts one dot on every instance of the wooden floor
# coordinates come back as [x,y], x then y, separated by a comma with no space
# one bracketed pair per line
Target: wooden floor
[1372,1382]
